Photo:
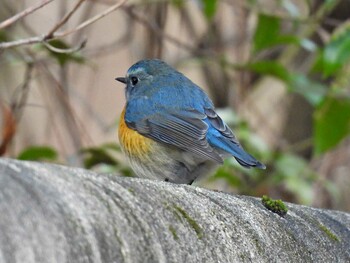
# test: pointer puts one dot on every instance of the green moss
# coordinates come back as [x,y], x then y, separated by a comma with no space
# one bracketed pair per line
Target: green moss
[257,245]
[178,216]
[132,191]
[173,231]
[190,221]
[171,208]
[242,257]
[276,206]
[329,233]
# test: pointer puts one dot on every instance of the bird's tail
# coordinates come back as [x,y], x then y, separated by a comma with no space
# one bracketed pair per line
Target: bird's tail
[254,163]
[236,150]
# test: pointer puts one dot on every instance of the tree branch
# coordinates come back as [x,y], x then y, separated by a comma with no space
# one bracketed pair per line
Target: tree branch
[91,20]
[52,34]
[64,20]
[145,22]
[24,13]
[65,51]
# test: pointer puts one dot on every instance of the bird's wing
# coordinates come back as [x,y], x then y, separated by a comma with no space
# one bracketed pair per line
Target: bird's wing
[185,129]
[220,135]
[218,124]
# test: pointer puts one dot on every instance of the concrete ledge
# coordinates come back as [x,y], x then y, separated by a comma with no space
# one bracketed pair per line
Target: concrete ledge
[51,213]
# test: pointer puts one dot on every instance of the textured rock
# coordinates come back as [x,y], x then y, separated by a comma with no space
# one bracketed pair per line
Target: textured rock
[51,213]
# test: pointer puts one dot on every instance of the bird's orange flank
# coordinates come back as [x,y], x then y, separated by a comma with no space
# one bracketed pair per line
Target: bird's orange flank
[132,142]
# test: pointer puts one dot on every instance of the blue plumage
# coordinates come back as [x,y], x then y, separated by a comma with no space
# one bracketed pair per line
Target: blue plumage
[165,106]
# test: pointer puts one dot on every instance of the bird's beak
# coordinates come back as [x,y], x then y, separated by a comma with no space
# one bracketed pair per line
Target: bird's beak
[122,80]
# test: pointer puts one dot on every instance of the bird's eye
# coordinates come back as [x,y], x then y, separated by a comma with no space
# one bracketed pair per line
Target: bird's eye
[134,80]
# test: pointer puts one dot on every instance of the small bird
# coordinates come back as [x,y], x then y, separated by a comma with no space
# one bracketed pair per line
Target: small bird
[169,129]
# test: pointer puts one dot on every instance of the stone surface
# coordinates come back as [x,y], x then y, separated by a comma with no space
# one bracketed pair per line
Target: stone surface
[51,213]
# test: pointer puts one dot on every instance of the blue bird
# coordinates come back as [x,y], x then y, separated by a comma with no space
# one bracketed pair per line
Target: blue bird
[169,129]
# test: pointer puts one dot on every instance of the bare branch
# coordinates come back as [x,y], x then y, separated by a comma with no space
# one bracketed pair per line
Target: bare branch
[91,20]
[145,22]
[64,20]
[24,13]
[65,51]
[53,35]
[20,42]
[8,128]
[20,95]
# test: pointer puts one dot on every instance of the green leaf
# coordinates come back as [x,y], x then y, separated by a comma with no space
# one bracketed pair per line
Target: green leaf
[331,124]
[178,3]
[296,175]
[291,8]
[289,165]
[3,36]
[223,172]
[329,4]
[95,155]
[335,54]
[266,33]
[268,67]
[308,44]
[63,58]
[38,153]
[112,146]
[313,91]
[209,8]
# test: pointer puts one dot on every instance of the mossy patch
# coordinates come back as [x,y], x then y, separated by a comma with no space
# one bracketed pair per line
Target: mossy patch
[257,245]
[132,191]
[329,233]
[276,206]
[173,231]
[190,221]
[171,208]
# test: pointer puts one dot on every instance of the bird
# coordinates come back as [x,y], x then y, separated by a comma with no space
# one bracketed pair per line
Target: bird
[169,129]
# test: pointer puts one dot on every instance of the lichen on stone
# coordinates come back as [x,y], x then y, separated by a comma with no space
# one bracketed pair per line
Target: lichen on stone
[173,232]
[329,233]
[190,221]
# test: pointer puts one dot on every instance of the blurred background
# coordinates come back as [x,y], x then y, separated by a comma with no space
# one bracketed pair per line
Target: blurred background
[277,71]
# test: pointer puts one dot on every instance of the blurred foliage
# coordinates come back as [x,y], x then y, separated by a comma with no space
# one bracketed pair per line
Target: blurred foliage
[38,153]
[316,83]
[63,58]
[209,8]
[332,115]
[105,159]
[291,42]
[3,36]
[332,58]
[331,123]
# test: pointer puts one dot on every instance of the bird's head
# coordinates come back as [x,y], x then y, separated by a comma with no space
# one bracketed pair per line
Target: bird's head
[142,74]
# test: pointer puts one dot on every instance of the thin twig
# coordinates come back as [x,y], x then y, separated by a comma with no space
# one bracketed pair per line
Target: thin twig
[20,42]
[65,51]
[8,130]
[145,22]
[39,39]
[20,95]
[13,113]
[90,21]
[90,6]
[64,20]
[24,13]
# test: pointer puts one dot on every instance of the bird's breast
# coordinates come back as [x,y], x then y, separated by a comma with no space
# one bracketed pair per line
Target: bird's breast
[132,142]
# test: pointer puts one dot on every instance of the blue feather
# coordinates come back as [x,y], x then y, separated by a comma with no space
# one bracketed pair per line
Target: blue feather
[171,109]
